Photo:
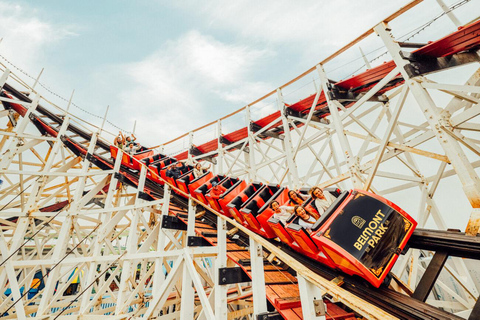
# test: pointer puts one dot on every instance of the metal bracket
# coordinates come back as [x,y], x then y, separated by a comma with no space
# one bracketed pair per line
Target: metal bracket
[343,95]
[316,117]
[248,262]
[171,222]
[195,152]
[232,275]
[319,307]
[89,157]
[119,177]
[144,196]
[198,242]
[269,316]
[225,140]
[255,127]
[289,112]
[209,234]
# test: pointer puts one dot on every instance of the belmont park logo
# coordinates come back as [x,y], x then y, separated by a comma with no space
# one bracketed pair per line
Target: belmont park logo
[358,222]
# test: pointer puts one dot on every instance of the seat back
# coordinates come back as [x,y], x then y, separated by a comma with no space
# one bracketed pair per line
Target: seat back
[153,158]
[233,208]
[113,152]
[331,209]
[259,199]
[249,214]
[229,195]
[242,199]
[334,191]
[201,191]
[184,180]
[213,200]
[198,182]
[143,154]
[302,238]
[279,230]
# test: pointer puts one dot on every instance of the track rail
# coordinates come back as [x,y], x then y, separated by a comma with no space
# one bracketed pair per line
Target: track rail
[452,242]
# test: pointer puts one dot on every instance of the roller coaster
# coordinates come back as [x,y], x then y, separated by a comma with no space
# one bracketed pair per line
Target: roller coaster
[89,230]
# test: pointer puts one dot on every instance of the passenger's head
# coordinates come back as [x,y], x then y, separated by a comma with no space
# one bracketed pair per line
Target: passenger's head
[300,211]
[129,138]
[317,193]
[214,184]
[119,139]
[275,206]
[198,166]
[295,197]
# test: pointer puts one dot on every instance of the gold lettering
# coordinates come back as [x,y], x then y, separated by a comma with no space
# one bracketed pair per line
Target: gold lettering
[367,232]
[379,232]
[383,228]
[373,233]
[377,219]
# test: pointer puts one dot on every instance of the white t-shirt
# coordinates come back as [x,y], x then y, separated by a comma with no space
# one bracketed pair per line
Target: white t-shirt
[132,149]
[307,225]
[285,213]
[323,204]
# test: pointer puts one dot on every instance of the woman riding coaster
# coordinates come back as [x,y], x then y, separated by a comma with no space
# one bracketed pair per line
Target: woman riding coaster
[306,220]
[281,213]
[198,170]
[322,199]
[296,198]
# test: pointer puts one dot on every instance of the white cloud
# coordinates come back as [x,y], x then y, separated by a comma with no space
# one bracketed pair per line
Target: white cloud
[310,22]
[175,84]
[25,35]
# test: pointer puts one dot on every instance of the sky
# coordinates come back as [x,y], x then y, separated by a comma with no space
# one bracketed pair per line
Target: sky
[175,65]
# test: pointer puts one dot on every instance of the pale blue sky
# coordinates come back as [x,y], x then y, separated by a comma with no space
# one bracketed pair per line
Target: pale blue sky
[175,65]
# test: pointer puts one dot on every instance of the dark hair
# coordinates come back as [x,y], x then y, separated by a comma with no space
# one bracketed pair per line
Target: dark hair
[290,197]
[271,203]
[295,208]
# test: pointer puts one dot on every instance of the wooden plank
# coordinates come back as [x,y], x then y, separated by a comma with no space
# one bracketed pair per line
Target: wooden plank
[290,314]
[279,276]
